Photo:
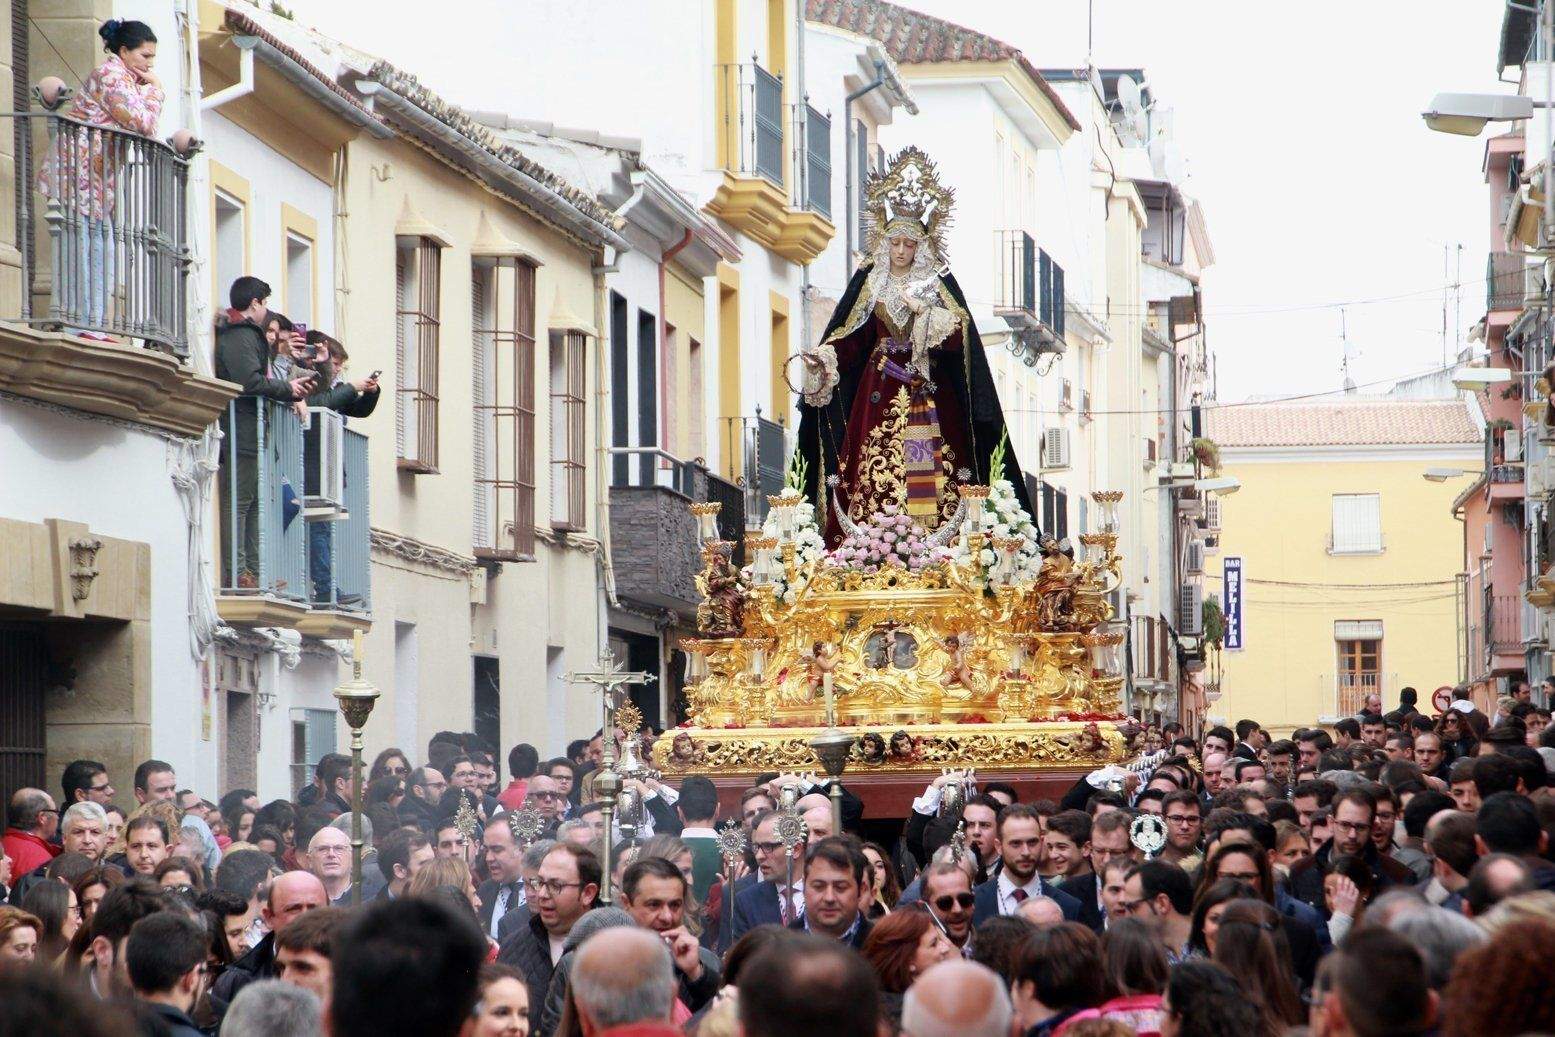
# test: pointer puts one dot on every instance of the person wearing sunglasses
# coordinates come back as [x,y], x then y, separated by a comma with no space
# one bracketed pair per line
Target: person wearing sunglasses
[947,890]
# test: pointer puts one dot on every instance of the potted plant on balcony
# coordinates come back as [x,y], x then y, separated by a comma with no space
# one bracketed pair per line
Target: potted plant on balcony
[1206,452]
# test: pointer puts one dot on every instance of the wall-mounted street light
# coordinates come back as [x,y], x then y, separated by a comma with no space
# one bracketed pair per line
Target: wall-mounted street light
[1467,114]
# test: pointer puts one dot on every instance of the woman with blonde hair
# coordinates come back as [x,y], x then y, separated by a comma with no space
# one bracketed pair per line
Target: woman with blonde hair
[445,873]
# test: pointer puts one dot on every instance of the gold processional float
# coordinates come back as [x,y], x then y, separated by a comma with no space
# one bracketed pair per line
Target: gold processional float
[920,621]
[1000,654]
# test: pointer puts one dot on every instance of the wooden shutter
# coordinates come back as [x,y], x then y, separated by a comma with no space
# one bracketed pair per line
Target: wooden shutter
[481,390]
[1357,523]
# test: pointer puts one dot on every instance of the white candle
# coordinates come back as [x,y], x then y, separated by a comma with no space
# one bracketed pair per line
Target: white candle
[831,705]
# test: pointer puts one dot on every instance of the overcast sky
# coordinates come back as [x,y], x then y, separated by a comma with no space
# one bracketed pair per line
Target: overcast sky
[1301,128]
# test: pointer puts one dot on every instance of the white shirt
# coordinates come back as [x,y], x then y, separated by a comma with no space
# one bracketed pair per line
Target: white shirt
[1006,889]
[558,946]
[698,832]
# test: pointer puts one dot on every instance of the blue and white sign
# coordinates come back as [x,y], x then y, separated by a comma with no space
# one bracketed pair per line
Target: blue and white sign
[1232,582]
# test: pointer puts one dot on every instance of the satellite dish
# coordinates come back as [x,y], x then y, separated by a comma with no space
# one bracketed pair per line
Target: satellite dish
[1135,124]
[1128,94]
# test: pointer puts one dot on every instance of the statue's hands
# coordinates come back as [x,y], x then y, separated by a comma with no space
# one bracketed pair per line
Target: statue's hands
[916,304]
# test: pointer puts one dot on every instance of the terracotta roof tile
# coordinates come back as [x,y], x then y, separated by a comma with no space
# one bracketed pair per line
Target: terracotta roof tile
[243,24]
[457,119]
[914,38]
[1346,422]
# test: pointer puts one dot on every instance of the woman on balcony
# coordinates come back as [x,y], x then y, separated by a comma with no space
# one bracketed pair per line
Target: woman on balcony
[81,172]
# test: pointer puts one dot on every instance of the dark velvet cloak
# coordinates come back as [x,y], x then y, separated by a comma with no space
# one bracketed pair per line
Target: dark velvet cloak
[822,429]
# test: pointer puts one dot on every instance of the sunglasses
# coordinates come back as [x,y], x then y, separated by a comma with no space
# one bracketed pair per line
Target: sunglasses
[950,900]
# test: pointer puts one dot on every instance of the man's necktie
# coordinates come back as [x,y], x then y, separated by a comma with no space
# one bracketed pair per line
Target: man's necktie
[1019,896]
[501,908]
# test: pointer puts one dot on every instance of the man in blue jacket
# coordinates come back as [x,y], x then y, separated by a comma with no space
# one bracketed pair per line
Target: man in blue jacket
[1020,847]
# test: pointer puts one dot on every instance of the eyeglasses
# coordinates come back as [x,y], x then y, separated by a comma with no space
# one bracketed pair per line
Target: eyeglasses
[1182,819]
[950,900]
[550,887]
[545,795]
[767,847]
[1353,827]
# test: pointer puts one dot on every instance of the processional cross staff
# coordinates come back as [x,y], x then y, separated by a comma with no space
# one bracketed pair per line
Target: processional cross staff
[612,682]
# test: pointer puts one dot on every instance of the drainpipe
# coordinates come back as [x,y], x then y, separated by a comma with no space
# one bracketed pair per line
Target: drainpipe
[605,575]
[245,84]
[665,256]
[847,137]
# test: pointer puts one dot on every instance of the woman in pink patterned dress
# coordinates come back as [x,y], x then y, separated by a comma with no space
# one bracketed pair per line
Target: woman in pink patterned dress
[123,93]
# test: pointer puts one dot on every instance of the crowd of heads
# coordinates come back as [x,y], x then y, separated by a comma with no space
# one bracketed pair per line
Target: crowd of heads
[1363,877]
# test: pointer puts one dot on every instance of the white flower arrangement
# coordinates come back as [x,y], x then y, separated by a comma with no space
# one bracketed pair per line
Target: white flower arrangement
[1002,516]
[808,543]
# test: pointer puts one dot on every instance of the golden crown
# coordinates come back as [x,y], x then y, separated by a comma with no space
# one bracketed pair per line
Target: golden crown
[908,198]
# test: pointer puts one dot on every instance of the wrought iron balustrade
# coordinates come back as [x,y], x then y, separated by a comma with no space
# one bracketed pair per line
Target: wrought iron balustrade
[117,250]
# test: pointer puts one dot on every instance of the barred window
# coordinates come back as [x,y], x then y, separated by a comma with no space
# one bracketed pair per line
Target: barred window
[417,337]
[503,346]
[569,353]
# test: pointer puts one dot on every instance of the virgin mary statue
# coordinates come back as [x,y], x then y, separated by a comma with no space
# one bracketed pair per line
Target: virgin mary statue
[897,407]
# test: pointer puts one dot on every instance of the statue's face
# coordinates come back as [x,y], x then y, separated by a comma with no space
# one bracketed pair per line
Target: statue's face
[903,251]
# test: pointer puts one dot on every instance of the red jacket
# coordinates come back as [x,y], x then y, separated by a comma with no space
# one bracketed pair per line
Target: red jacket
[512,797]
[27,851]
[644,1030]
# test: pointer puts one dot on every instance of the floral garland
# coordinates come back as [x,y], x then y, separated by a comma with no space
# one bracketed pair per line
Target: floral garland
[889,538]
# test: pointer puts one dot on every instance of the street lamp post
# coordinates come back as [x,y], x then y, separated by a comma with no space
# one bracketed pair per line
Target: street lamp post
[357,698]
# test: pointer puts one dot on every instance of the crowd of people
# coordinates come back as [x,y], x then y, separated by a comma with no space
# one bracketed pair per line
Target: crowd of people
[1389,874]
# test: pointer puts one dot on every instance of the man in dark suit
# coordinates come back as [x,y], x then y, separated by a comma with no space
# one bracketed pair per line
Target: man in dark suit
[564,890]
[1109,841]
[500,894]
[770,901]
[834,886]
[1020,845]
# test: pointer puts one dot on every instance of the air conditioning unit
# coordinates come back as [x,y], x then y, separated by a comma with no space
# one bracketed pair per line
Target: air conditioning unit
[1066,395]
[1541,477]
[1055,449]
[324,470]
[1195,562]
[1190,610]
[1212,512]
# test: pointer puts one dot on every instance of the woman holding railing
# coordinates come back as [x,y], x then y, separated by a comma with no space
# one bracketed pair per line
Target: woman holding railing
[81,171]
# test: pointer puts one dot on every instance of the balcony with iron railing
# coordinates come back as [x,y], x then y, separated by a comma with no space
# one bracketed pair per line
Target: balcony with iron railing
[295,526]
[655,550]
[757,449]
[1511,282]
[776,157]
[101,310]
[1028,294]
[1348,691]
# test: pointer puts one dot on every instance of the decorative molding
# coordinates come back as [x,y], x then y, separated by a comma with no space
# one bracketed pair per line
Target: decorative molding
[422,553]
[139,386]
[83,561]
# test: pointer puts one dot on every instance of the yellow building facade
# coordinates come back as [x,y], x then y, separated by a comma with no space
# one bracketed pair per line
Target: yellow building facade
[1349,555]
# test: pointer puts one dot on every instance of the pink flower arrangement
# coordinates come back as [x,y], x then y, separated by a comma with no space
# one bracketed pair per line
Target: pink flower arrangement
[889,538]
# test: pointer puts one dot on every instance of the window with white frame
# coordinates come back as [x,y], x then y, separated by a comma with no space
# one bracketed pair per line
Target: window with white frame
[231,244]
[299,279]
[1357,524]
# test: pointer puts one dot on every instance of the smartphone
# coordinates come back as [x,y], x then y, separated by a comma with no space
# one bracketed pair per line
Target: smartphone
[375,374]
[301,331]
